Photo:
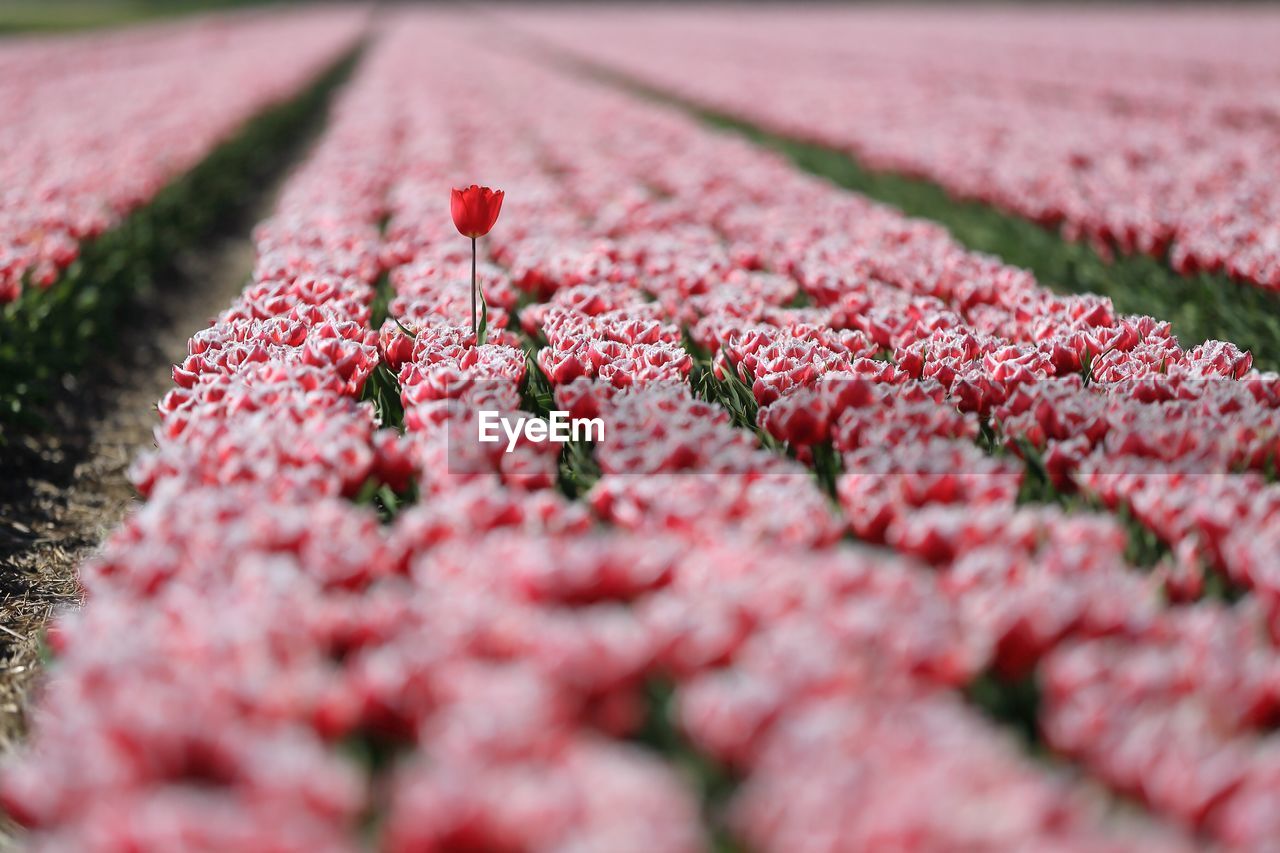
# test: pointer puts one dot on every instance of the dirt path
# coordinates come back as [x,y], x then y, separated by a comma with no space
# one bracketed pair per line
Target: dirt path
[63,491]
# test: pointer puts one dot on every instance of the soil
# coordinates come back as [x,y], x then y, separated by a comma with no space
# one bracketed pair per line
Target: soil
[62,490]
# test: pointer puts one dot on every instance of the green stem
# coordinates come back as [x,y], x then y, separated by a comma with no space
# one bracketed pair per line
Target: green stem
[475,319]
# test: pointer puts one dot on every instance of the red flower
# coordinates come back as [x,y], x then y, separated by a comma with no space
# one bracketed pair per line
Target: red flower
[475,209]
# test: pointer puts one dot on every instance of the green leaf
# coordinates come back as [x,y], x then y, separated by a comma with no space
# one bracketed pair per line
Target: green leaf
[405,329]
[482,334]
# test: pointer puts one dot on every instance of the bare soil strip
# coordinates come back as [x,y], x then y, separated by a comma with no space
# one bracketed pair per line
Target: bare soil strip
[63,490]
[65,487]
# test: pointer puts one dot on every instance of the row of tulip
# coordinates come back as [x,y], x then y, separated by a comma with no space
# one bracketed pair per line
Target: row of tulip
[196,696]
[1030,581]
[1135,130]
[146,107]
[103,205]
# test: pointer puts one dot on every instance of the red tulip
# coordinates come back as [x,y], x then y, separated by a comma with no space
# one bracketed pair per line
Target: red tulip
[475,209]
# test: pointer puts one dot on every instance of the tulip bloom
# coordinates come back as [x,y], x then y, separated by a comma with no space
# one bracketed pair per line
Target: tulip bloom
[475,210]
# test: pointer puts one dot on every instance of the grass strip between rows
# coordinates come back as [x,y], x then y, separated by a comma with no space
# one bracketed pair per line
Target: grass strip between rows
[714,783]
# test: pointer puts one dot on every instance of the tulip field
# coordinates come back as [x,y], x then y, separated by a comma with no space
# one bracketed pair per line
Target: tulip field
[1167,149]
[885,544]
[1164,152]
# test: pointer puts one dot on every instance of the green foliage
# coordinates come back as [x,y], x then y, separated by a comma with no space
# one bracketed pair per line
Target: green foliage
[578,470]
[18,16]
[713,782]
[50,333]
[482,330]
[383,387]
[383,390]
[731,394]
[1014,701]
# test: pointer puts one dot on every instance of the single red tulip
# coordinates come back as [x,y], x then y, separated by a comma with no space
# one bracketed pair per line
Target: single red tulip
[475,209]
